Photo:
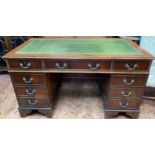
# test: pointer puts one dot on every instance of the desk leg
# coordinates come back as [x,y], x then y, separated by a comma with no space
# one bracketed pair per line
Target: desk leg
[24,111]
[46,112]
[109,114]
[133,115]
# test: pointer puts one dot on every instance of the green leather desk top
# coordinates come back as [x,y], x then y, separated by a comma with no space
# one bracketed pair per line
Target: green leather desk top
[78,46]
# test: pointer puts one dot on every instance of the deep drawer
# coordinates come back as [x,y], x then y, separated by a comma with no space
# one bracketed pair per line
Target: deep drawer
[126,92]
[31,91]
[24,64]
[28,79]
[92,65]
[128,80]
[123,104]
[134,65]
[33,102]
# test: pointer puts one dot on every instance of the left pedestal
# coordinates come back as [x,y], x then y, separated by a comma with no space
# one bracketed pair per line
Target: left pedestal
[34,92]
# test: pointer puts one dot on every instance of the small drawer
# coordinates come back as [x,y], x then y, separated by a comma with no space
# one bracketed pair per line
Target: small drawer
[31,91]
[92,65]
[28,79]
[33,102]
[24,64]
[128,80]
[123,104]
[126,92]
[134,65]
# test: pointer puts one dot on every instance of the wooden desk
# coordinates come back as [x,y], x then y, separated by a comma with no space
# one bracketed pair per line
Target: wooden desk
[120,65]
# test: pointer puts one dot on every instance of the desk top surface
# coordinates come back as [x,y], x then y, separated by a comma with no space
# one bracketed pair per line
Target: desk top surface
[80,46]
[76,48]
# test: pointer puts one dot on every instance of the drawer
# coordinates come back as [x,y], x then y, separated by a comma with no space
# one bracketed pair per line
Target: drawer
[126,92]
[33,102]
[128,80]
[92,65]
[134,65]
[120,104]
[28,79]
[24,64]
[31,91]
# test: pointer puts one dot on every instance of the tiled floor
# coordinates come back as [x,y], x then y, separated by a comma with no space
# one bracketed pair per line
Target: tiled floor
[75,100]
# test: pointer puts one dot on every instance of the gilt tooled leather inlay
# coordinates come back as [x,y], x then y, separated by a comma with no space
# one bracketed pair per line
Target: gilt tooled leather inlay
[78,46]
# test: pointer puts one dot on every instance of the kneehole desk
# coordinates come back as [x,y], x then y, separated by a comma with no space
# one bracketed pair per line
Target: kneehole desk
[120,67]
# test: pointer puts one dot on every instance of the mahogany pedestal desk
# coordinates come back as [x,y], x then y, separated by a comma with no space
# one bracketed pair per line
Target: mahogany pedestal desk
[121,66]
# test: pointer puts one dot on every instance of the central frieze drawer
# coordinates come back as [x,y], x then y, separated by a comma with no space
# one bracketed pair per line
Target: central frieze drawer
[123,104]
[92,65]
[134,65]
[31,91]
[28,79]
[24,64]
[128,80]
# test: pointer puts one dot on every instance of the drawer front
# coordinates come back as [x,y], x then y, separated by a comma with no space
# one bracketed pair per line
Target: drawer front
[126,92]
[24,64]
[131,65]
[32,102]
[123,104]
[28,79]
[31,91]
[128,80]
[92,65]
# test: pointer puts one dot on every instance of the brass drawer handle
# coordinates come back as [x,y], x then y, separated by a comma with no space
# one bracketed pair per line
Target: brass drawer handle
[32,102]
[128,83]
[95,67]
[30,91]
[126,94]
[61,67]
[124,105]
[131,67]
[25,65]
[27,81]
